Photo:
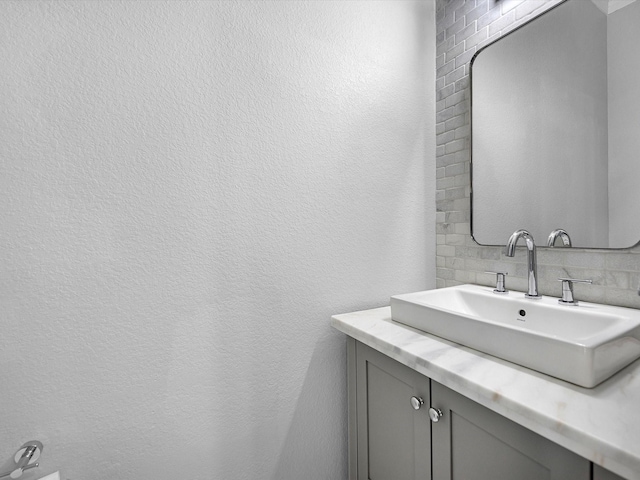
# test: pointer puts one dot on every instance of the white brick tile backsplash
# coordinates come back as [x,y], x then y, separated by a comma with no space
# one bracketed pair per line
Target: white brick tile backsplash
[508,5]
[527,8]
[477,12]
[502,24]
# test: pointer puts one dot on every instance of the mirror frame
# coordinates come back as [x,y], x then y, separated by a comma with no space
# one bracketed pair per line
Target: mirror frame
[471,164]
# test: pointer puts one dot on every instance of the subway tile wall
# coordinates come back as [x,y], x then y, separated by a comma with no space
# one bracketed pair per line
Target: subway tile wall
[463,27]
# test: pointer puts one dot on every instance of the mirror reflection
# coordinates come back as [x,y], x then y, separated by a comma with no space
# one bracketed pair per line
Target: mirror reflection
[555,117]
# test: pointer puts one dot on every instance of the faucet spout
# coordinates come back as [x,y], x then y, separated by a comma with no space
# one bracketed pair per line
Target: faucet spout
[559,233]
[532,276]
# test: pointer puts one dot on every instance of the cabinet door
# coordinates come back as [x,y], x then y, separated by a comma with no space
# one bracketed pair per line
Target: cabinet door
[473,442]
[393,438]
[600,473]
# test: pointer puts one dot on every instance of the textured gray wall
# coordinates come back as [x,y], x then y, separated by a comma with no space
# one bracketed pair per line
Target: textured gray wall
[188,192]
[462,27]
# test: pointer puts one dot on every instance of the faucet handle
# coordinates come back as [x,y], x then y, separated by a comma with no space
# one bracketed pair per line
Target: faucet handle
[499,282]
[567,290]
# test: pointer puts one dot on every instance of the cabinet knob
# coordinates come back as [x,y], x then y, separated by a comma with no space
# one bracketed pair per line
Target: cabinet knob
[416,403]
[435,414]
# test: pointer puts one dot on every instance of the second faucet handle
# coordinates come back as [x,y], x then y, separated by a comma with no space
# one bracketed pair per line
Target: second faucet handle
[567,290]
[499,282]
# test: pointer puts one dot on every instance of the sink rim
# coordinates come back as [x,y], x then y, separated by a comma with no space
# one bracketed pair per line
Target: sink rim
[618,315]
[583,361]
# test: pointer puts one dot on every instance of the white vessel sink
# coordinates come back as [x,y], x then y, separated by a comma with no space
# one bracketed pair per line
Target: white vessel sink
[583,344]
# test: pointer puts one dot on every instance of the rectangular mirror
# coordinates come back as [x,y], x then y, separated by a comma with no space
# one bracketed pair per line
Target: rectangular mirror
[555,119]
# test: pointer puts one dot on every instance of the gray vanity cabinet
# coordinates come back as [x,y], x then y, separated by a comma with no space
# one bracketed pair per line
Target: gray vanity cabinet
[392,437]
[472,442]
[600,473]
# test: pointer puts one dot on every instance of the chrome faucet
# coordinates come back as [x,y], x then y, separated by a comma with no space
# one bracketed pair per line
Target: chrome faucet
[559,232]
[532,276]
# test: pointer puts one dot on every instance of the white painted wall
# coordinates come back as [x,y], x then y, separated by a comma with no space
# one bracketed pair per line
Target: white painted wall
[188,191]
[548,108]
[624,117]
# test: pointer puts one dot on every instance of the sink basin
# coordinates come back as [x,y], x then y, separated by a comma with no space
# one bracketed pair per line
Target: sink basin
[583,344]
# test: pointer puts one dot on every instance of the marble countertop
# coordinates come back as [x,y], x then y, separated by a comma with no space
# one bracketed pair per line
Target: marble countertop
[601,424]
